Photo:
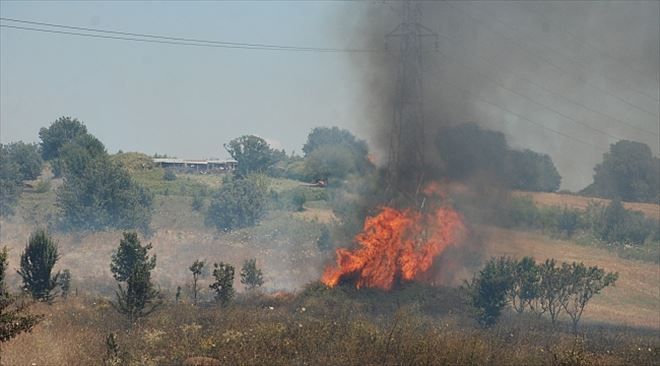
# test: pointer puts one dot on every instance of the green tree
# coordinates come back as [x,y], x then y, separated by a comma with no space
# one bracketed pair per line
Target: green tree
[224,282]
[58,134]
[26,157]
[11,184]
[553,289]
[524,283]
[103,195]
[15,317]
[251,275]
[37,262]
[334,136]
[629,171]
[197,269]
[329,161]
[253,154]
[531,171]
[132,264]
[582,284]
[238,203]
[487,293]
[76,155]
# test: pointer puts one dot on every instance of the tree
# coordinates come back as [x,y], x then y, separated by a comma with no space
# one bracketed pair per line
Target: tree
[11,184]
[132,264]
[629,171]
[65,283]
[75,155]
[582,284]
[37,262]
[552,289]
[334,136]
[329,161]
[253,154]
[58,134]
[103,195]
[224,282]
[238,203]
[487,293]
[26,157]
[196,268]
[531,171]
[251,276]
[14,316]
[524,283]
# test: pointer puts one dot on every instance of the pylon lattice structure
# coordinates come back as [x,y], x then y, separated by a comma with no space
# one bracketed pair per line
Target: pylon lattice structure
[405,170]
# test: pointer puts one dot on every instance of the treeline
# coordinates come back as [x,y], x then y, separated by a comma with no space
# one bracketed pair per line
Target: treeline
[610,224]
[543,289]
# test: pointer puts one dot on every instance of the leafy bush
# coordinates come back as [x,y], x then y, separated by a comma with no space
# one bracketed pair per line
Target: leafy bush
[11,184]
[487,293]
[26,157]
[251,276]
[240,202]
[169,175]
[43,186]
[100,195]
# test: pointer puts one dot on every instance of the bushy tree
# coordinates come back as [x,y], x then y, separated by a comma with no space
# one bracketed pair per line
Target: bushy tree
[37,262]
[224,282]
[253,154]
[531,171]
[251,276]
[76,155]
[11,184]
[629,171]
[197,269]
[487,293]
[26,157]
[15,317]
[582,284]
[58,134]
[329,161]
[238,203]
[553,290]
[524,283]
[132,265]
[103,195]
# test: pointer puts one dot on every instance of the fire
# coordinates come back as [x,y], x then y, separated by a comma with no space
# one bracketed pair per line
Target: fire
[397,245]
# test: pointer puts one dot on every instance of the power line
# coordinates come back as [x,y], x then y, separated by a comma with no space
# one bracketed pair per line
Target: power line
[153,38]
[538,124]
[567,56]
[540,86]
[544,60]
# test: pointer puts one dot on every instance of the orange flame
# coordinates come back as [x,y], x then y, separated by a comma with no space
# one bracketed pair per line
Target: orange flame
[396,245]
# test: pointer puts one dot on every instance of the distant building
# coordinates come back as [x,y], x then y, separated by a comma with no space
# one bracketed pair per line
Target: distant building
[197,166]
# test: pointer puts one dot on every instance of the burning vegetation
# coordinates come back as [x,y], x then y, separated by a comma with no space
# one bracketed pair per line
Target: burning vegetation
[398,245]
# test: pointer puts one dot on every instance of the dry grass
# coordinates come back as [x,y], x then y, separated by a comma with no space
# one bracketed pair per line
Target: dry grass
[581,202]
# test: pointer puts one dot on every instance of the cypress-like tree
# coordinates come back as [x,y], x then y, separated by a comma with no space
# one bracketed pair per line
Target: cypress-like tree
[37,262]
[14,316]
[251,276]
[196,268]
[132,264]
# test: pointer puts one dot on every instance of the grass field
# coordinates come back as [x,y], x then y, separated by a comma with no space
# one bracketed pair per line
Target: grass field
[581,202]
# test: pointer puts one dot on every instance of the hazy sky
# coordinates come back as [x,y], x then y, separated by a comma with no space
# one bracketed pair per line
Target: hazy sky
[188,101]
[179,100]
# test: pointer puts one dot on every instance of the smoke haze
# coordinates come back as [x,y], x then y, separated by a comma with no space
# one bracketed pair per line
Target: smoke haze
[565,79]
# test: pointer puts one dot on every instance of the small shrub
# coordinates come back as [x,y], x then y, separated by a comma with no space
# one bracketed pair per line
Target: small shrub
[251,276]
[487,293]
[169,175]
[43,186]
[37,262]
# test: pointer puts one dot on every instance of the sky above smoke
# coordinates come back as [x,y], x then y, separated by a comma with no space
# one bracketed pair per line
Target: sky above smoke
[588,70]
